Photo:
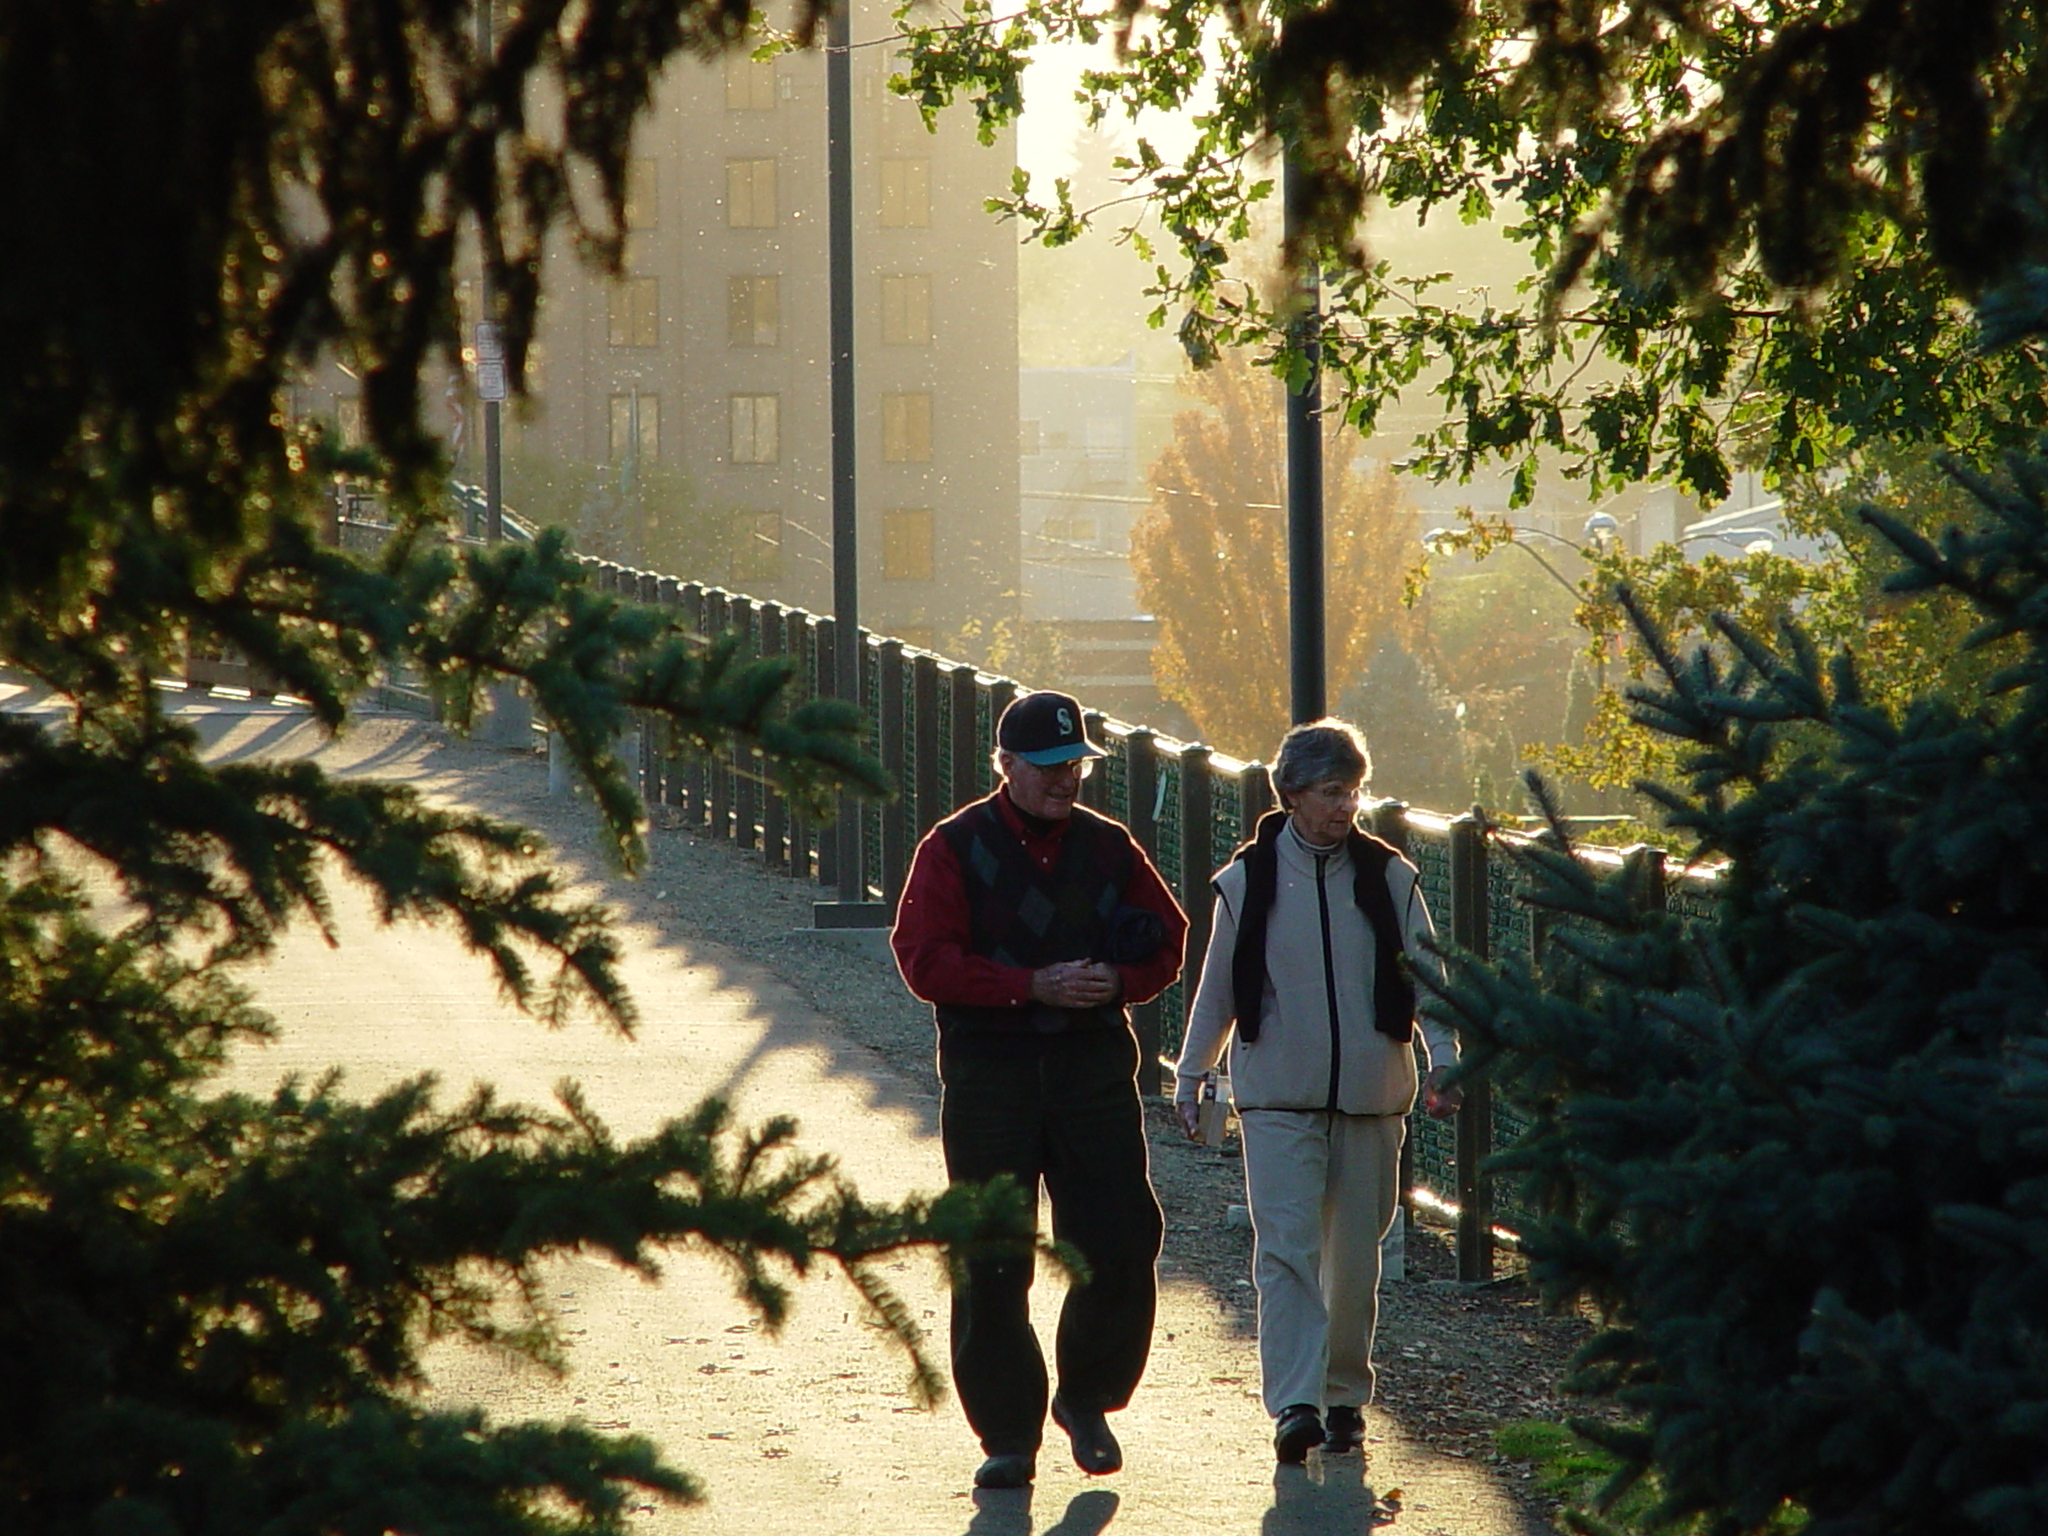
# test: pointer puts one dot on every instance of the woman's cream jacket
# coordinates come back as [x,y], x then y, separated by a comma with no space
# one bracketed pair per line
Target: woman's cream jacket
[1317,1046]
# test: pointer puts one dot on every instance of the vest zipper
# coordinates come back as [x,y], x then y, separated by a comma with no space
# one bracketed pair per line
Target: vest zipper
[1329,977]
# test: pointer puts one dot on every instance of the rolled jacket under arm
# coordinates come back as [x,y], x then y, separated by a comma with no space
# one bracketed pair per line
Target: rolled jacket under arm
[1317,946]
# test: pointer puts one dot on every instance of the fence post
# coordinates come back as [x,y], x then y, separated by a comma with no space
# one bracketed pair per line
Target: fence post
[854,882]
[774,633]
[1254,798]
[1643,864]
[1468,860]
[825,636]
[1388,821]
[1539,917]
[926,769]
[718,766]
[1141,781]
[1094,788]
[1141,774]
[649,592]
[1196,804]
[895,814]
[1000,692]
[968,747]
[693,777]
[746,788]
[800,644]
[668,597]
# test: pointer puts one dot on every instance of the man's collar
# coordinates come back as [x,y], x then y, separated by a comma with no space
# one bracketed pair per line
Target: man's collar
[1022,822]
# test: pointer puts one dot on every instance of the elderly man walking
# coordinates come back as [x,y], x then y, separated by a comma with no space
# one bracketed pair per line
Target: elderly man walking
[1030,923]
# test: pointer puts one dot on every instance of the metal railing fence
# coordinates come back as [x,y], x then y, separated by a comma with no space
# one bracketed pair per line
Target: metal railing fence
[931,721]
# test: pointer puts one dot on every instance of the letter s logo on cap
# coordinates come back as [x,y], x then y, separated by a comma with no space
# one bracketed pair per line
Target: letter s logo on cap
[1066,723]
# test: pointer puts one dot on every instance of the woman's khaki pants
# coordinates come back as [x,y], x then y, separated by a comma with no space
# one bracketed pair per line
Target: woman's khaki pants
[1322,1190]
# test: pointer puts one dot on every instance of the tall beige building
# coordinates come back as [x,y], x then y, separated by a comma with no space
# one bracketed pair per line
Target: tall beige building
[709,363]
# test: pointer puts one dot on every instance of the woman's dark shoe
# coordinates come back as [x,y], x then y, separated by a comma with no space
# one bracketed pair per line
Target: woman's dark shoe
[1298,1428]
[1014,1470]
[1344,1431]
[1095,1449]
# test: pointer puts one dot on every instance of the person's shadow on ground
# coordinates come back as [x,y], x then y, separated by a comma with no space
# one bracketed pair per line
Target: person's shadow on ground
[1007,1512]
[1327,1497]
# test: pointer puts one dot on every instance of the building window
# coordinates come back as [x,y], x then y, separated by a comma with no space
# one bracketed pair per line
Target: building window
[756,546]
[907,428]
[756,429]
[907,544]
[1105,437]
[749,84]
[907,311]
[636,312]
[348,420]
[750,194]
[1069,530]
[906,194]
[643,194]
[753,311]
[1027,438]
[635,428]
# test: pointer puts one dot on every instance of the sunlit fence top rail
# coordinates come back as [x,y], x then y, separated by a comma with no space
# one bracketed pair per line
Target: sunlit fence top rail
[931,720]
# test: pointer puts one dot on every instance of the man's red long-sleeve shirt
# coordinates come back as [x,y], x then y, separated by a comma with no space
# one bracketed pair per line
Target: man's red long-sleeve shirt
[933,932]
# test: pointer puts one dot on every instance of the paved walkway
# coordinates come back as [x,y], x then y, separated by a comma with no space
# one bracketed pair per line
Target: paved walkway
[813,1432]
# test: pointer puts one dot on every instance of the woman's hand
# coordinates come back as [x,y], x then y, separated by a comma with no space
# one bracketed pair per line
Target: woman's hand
[1190,1113]
[1439,1102]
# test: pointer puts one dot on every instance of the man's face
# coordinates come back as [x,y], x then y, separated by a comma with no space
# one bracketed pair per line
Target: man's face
[1048,792]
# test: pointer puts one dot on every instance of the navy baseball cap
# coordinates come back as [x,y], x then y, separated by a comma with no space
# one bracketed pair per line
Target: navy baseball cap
[1045,728]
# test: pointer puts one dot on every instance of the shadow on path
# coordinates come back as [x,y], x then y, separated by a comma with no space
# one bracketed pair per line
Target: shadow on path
[1330,1497]
[1007,1512]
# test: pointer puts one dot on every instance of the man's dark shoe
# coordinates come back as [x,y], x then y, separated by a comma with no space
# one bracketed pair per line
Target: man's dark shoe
[1344,1431]
[1011,1470]
[1095,1449]
[1298,1428]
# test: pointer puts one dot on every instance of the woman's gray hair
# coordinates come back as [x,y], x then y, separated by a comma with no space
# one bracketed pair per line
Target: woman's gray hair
[1323,749]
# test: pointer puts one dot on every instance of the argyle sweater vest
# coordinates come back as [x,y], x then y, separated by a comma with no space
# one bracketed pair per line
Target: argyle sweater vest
[1029,917]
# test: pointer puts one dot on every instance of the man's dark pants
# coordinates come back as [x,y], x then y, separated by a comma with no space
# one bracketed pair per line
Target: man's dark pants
[1067,1112]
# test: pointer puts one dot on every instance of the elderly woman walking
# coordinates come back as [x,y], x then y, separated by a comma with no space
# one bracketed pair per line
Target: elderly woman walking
[1305,981]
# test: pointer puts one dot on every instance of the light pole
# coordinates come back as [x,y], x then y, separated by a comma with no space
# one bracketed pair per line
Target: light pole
[511,717]
[1308,665]
[491,381]
[846,650]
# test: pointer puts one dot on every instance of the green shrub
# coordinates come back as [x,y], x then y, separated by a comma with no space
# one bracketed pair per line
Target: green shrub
[1583,1479]
[1794,1153]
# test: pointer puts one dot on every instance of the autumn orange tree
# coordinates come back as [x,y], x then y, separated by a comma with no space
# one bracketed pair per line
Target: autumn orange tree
[1210,554]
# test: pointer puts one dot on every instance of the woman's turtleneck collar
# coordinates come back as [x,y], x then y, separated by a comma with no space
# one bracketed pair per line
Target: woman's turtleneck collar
[1319,850]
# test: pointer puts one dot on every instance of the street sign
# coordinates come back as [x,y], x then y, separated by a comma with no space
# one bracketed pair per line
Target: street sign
[490,380]
[490,342]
